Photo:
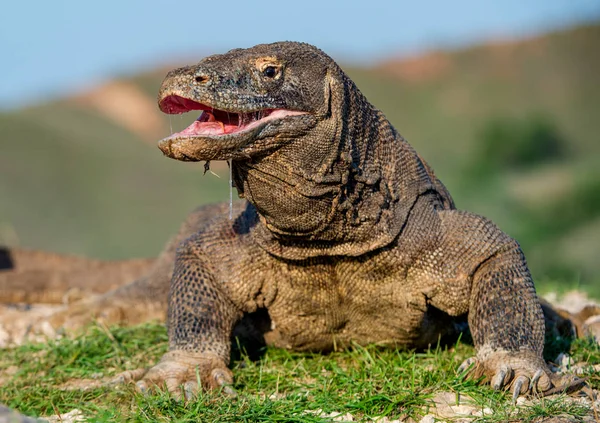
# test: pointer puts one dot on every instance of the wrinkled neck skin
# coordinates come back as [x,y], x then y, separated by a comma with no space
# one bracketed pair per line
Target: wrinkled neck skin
[345,188]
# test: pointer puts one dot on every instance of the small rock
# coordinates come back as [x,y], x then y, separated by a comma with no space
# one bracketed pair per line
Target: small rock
[585,368]
[591,327]
[339,417]
[485,412]
[72,416]
[47,329]
[572,301]
[8,416]
[334,415]
[446,405]
[385,420]
[429,418]
[563,361]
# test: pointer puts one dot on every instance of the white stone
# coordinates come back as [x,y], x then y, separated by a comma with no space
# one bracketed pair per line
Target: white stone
[429,418]
[72,416]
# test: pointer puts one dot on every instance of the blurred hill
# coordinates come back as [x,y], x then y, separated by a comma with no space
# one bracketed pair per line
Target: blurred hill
[512,128]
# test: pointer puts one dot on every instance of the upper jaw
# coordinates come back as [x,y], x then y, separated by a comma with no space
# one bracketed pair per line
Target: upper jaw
[217,134]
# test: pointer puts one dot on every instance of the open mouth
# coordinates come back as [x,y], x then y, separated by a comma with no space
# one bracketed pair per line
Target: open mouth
[214,122]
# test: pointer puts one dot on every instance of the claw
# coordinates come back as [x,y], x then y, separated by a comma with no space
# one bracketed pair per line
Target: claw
[127,377]
[567,384]
[142,387]
[535,379]
[501,378]
[190,390]
[221,377]
[223,380]
[466,364]
[229,391]
[520,383]
[515,396]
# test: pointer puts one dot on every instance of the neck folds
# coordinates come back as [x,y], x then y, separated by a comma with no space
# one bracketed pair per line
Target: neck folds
[342,196]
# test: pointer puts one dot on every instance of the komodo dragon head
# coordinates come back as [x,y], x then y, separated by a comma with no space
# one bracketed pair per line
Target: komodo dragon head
[325,170]
[252,101]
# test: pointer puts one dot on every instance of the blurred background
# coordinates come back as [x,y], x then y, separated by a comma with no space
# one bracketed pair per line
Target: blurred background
[501,98]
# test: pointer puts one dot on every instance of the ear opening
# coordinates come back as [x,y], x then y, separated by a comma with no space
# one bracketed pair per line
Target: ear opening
[331,101]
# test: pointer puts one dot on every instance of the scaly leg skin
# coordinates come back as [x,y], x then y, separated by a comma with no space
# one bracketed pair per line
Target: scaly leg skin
[507,323]
[201,320]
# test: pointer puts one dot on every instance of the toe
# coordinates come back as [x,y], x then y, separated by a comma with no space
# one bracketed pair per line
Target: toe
[224,379]
[175,387]
[190,390]
[502,377]
[521,386]
[142,387]
[127,376]
[535,380]
[543,382]
[467,364]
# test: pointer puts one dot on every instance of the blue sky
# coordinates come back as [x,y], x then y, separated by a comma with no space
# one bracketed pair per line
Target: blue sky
[50,48]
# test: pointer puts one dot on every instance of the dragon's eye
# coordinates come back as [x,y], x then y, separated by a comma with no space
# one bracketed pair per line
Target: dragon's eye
[270,71]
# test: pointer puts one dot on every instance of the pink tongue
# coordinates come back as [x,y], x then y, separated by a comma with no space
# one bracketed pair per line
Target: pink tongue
[208,128]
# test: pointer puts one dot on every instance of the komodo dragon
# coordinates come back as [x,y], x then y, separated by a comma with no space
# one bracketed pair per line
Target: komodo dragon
[345,234]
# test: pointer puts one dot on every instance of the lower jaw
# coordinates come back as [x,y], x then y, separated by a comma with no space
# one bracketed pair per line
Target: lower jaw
[194,149]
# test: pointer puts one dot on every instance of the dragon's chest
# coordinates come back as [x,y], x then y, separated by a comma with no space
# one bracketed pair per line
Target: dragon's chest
[325,305]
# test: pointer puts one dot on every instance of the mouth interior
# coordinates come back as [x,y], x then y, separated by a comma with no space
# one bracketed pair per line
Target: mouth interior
[218,122]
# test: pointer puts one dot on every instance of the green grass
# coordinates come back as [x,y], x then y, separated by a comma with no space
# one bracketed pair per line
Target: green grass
[281,387]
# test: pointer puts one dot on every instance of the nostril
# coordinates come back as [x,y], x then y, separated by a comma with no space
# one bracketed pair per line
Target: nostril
[201,79]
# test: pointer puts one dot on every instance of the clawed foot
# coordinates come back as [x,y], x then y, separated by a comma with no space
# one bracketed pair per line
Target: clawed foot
[523,372]
[183,374]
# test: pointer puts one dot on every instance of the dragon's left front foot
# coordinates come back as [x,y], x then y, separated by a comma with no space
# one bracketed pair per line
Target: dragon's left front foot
[520,372]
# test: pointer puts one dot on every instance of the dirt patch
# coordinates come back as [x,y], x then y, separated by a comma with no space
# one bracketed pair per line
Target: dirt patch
[129,107]
[16,319]
[428,67]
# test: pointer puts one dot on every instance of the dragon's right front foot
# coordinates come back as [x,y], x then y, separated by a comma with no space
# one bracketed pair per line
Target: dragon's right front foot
[520,372]
[183,374]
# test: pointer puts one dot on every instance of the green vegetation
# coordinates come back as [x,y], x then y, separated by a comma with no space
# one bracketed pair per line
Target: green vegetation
[512,130]
[281,387]
[512,144]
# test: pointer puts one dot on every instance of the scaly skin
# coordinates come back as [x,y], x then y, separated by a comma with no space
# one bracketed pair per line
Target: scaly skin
[345,235]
